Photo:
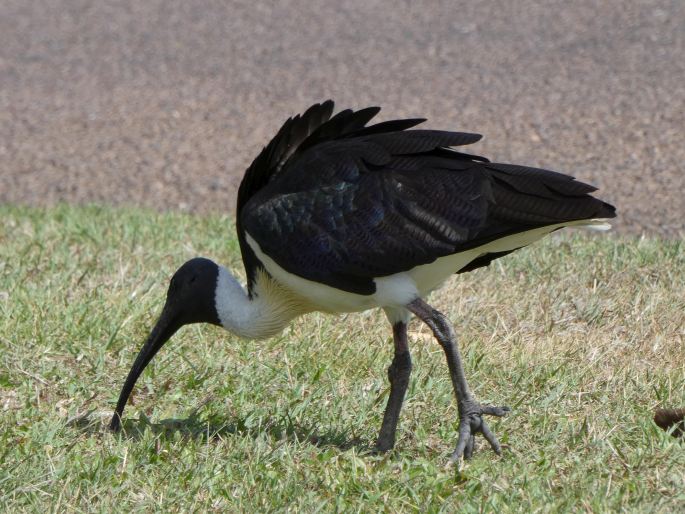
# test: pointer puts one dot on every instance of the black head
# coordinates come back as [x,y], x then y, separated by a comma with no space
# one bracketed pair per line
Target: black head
[191,292]
[189,299]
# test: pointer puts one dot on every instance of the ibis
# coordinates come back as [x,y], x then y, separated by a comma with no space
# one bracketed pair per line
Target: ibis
[336,215]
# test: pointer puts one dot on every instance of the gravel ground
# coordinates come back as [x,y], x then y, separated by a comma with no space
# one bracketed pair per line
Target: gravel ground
[164,103]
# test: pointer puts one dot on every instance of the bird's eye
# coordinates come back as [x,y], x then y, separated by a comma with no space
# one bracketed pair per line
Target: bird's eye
[192,279]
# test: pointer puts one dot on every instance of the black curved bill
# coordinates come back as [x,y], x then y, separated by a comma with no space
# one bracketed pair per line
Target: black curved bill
[166,326]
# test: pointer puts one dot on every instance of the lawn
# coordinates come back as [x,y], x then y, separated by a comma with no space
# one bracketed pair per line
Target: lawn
[582,335]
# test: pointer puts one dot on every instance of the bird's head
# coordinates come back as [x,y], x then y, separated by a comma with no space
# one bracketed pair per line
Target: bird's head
[189,299]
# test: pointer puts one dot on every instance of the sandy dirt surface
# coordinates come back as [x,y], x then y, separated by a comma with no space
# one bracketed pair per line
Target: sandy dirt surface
[164,103]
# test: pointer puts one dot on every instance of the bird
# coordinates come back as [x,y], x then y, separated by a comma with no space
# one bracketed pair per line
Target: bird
[336,215]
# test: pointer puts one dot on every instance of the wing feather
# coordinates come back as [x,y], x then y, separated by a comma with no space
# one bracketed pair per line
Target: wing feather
[339,203]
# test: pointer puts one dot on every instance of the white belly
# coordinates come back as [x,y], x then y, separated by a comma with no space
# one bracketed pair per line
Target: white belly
[395,291]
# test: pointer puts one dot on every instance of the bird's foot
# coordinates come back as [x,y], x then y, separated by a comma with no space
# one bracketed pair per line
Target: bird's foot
[383,445]
[470,423]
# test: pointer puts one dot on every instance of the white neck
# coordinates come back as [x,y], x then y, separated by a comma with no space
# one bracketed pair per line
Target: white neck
[266,314]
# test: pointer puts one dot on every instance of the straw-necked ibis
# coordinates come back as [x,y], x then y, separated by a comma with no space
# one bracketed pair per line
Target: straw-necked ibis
[337,216]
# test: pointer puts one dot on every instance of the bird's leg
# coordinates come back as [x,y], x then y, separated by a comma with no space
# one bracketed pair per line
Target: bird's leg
[470,411]
[398,374]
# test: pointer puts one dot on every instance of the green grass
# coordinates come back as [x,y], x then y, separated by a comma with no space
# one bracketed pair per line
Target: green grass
[581,335]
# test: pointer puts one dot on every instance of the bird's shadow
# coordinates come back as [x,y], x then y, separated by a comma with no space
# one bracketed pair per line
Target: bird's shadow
[194,427]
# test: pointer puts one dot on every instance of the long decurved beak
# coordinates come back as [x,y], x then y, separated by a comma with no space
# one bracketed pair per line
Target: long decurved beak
[166,326]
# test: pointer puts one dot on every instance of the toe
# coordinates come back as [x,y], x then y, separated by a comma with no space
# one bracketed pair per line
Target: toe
[491,410]
[383,445]
[491,438]
[468,450]
[462,441]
